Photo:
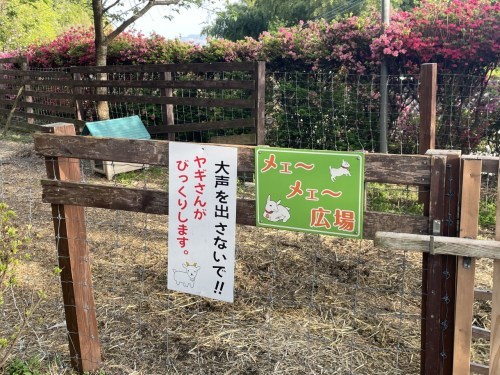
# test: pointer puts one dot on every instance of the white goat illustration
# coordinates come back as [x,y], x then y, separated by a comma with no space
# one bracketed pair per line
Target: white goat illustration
[275,211]
[187,277]
[342,171]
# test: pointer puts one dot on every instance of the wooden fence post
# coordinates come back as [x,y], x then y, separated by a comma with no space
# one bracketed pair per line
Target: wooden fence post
[427,106]
[27,99]
[260,102]
[79,110]
[439,271]
[440,203]
[466,267]
[431,277]
[495,304]
[427,109]
[168,109]
[74,261]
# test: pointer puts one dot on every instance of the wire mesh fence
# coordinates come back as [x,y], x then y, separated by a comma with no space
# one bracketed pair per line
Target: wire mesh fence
[484,271]
[314,110]
[303,303]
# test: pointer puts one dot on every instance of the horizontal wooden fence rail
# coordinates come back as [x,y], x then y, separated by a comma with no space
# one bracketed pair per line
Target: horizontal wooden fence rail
[72,95]
[163,85]
[47,97]
[467,248]
[439,245]
[424,171]
[381,168]
[247,66]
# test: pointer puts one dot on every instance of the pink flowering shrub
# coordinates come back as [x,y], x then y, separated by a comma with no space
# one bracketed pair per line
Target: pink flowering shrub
[461,36]
[74,47]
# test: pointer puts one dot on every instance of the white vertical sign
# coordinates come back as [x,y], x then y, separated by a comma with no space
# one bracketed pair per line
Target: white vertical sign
[202,219]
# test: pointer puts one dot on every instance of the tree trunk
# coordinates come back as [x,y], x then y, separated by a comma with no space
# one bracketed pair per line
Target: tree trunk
[102,106]
[101,54]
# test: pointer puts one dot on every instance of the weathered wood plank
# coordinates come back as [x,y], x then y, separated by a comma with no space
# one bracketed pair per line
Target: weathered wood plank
[432,340]
[145,99]
[442,245]
[239,139]
[38,94]
[45,107]
[102,196]
[259,98]
[193,67]
[126,199]
[378,221]
[469,217]
[24,126]
[38,82]
[490,163]
[398,169]
[36,73]
[477,368]
[427,93]
[12,60]
[168,109]
[38,116]
[495,303]
[122,150]
[483,295]
[156,202]
[159,84]
[156,153]
[201,126]
[480,333]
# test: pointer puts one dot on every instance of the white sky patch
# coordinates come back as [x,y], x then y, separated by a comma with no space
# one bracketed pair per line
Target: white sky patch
[186,23]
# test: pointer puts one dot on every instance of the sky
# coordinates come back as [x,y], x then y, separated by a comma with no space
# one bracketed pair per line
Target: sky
[186,23]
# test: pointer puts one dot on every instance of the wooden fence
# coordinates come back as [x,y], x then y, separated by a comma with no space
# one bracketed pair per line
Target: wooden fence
[467,249]
[226,96]
[444,178]
[68,196]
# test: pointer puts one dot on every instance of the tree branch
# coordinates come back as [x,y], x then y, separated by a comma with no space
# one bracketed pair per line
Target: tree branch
[136,16]
[105,10]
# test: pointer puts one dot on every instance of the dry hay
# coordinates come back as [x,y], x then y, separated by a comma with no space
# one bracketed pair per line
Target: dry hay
[304,304]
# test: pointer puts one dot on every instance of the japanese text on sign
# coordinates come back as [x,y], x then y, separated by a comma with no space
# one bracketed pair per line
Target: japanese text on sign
[202,219]
[311,191]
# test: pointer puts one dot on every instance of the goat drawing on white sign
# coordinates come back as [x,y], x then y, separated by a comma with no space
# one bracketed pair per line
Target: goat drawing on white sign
[187,277]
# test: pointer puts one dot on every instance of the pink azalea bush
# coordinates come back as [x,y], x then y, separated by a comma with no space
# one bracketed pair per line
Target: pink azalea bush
[461,36]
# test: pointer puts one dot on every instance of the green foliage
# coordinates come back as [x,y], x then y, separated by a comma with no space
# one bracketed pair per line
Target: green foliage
[12,241]
[385,198]
[248,18]
[32,366]
[24,23]
[151,175]
[487,214]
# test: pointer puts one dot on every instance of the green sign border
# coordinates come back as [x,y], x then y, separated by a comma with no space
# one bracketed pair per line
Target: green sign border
[337,154]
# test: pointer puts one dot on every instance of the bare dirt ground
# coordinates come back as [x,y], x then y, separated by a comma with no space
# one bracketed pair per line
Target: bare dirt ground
[304,304]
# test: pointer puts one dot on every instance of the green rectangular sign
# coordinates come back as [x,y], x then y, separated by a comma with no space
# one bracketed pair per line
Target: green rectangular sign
[310,191]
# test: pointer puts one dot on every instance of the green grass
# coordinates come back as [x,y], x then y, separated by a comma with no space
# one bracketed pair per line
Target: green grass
[37,366]
[157,175]
[17,137]
[31,366]
[487,215]
[393,199]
